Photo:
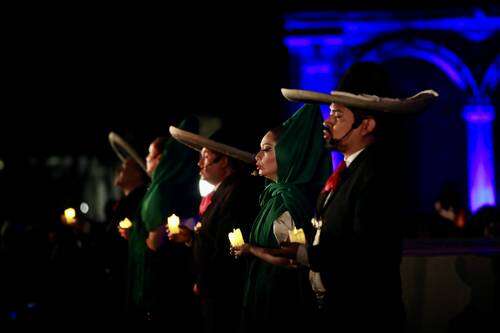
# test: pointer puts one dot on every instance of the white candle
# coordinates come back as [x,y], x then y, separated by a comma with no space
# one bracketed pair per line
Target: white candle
[297,236]
[236,238]
[125,224]
[70,215]
[173,222]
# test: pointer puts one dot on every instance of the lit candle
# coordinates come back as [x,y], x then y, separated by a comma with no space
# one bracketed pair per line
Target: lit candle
[173,224]
[70,216]
[297,236]
[236,238]
[125,224]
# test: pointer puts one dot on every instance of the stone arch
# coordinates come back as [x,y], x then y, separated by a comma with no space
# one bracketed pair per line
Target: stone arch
[478,113]
[491,79]
[441,57]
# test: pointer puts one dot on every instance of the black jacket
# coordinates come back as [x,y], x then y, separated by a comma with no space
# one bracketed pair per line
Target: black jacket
[234,205]
[360,245]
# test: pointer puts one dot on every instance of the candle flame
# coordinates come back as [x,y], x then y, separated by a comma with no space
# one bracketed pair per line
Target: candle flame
[236,238]
[297,236]
[70,215]
[173,222]
[125,224]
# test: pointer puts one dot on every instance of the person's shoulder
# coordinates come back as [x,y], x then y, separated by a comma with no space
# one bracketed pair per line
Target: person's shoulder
[372,164]
[285,217]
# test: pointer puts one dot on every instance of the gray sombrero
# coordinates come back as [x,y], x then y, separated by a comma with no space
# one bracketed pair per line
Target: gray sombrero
[198,142]
[124,150]
[408,105]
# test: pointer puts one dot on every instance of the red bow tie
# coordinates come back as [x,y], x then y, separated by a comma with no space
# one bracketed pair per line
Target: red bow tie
[334,180]
[205,202]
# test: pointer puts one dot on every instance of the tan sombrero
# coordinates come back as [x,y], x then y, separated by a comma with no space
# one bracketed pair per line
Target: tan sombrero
[122,149]
[198,142]
[408,105]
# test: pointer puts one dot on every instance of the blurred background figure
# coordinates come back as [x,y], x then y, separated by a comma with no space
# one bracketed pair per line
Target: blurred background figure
[132,181]
[450,214]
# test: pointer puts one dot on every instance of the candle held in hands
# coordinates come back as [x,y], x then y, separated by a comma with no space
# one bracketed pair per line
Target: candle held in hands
[236,238]
[297,236]
[173,222]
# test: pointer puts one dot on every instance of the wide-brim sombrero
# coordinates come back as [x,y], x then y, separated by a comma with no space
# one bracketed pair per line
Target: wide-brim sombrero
[124,150]
[198,142]
[408,105]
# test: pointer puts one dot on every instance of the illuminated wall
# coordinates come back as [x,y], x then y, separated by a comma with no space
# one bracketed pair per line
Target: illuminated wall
[322,45]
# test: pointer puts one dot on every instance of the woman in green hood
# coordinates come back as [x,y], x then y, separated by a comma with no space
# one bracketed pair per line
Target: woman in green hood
[277,295]
[159,278]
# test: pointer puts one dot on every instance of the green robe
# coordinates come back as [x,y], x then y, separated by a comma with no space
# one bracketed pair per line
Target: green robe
[277,297]
[173,189]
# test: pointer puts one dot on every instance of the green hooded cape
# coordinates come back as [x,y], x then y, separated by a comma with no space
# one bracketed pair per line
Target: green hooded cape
[173,189]
[304,164]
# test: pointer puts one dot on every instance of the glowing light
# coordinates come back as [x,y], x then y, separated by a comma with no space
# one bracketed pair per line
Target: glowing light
[476,28]
[70,215]
[297,236]
[84,207]
[236,238]
[481,170]
[173,222]
[125,224]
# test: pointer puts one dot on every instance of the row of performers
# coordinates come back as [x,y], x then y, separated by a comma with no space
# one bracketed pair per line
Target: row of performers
[309,249]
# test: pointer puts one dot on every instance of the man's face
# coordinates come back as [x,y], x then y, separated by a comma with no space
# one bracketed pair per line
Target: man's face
[211,168]
[129,174]
[153,158]
[336,127]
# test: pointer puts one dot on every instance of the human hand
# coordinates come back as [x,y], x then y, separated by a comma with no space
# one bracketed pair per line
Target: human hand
[183,236]
[242,250]
[286,250]
[196,289]
[124,233]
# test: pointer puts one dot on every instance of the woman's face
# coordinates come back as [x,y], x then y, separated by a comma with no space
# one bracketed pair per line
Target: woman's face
[153,158]
[266,158]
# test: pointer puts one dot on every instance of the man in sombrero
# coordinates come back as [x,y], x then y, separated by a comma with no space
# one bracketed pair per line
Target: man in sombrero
[233,204]
[132,180]
[355,258]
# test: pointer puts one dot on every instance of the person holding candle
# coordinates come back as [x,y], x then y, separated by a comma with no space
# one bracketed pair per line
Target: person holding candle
[356,254]
[159,276]
[232,205]
[277,295]
[132,181]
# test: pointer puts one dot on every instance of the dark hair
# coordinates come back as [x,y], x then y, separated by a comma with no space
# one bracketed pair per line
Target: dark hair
[143,175]
[160,142]
[234,164]
[380,120]
[277,131]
